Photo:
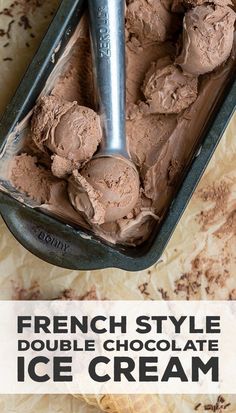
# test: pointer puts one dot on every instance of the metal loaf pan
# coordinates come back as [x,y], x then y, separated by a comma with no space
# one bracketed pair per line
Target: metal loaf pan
[61,244]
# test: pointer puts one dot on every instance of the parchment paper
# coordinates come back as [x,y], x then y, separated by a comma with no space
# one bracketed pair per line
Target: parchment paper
[199,262]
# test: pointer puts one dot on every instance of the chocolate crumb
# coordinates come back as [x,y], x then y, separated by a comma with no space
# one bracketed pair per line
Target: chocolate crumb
[188,284]
[232,295]
[90,295]
[6,44]
[22,293]
[21,9]
[7,59]
[218,407]
[6,12]
[9,28]
[143,289]
[218,194]
[164,294]
[209,273]
[68,294]
[228,227]
[71,294]
[25,22]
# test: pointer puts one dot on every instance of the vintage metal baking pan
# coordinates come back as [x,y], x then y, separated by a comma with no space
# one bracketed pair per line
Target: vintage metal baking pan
[64,245]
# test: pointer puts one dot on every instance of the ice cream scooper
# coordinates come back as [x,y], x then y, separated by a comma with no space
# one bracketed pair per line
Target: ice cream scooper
[108,44]
[116,179]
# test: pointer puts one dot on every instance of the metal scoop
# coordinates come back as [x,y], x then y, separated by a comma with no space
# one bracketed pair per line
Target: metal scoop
[107,25]
[110,171]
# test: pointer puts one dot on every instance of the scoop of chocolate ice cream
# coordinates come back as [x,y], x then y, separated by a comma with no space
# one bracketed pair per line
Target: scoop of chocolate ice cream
[207,38]
[105,190]
[32,179]
[167,89]
[69,131]
[150,20]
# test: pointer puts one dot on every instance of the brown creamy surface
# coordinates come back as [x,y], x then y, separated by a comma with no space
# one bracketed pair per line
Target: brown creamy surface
[105,190]
[159,142]
[23,277]
[167,89]
[207,38]
[71,132]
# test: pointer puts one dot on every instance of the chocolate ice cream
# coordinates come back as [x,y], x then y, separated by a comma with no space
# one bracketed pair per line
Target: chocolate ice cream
[69,131]
[33,179]
[149,20]
[146,134]
[207,38]
[167,89]
[168,107]
[105,190]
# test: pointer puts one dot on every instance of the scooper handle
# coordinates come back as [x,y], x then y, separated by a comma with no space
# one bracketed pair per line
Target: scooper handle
[107,23]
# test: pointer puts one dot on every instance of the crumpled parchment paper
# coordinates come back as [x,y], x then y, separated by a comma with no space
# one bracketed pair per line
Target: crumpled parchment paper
[199,262]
